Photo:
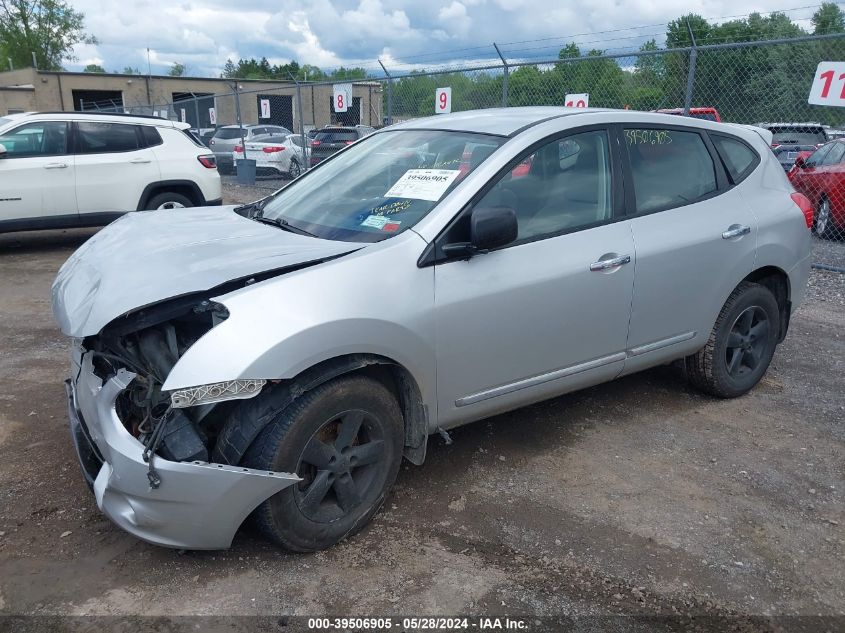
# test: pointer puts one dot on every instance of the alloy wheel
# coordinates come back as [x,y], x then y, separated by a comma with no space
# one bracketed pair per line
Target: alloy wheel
[747,341]
[171,205]
[823,217]
[339,466]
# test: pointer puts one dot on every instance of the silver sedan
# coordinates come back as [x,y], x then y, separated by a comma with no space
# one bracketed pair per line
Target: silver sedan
[279,359]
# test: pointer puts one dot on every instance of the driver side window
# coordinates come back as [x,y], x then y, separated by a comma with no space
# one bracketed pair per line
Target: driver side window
[562,187]
[39,138]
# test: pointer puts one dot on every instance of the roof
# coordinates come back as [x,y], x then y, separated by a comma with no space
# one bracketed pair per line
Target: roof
[501,121]
[112,116]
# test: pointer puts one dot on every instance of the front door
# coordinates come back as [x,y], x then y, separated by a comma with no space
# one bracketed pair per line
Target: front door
[548,313]
[37,174]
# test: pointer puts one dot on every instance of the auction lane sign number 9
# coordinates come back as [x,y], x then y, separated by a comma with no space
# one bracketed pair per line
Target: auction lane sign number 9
[443,101]
[828,87]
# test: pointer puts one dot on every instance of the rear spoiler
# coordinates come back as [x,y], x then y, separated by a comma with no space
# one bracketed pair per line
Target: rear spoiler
[763,133]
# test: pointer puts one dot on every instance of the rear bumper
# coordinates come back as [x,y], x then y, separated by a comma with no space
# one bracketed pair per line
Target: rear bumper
[196,506]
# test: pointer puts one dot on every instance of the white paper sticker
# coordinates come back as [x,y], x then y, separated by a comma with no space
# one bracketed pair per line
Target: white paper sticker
[423,184]
[375,221]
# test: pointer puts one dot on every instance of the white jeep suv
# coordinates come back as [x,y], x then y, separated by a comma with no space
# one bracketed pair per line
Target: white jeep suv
[74,169]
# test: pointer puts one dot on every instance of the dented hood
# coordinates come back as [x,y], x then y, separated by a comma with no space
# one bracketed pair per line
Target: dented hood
[149,256]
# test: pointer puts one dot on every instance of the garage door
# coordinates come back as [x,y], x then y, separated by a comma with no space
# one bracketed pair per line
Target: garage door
[281,110]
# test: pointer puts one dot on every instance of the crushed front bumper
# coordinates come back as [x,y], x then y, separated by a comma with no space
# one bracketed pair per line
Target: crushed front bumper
[197,505]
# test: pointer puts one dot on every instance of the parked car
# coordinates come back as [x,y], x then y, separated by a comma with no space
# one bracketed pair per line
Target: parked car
[66,169]
[820,176]
[706,113]
[332,139]
[788,139]
[204,135]
[228,136]
[281,155]
[280,358]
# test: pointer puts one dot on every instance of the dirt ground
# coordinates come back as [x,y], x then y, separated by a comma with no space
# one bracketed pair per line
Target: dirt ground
[640,497]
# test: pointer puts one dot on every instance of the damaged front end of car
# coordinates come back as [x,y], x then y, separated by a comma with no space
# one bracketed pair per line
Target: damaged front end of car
[145,451]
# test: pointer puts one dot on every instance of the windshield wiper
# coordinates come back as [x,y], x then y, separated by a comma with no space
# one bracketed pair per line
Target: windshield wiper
[256,208]
[283,224]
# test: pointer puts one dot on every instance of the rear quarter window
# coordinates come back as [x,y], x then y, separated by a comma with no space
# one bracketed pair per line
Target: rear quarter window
[739,159]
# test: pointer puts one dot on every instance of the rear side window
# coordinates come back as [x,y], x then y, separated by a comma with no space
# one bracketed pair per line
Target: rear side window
[95,137]
[191,136]
[669,168]
[739,159]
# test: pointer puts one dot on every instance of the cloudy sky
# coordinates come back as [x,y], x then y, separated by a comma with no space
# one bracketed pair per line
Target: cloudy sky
[403,33]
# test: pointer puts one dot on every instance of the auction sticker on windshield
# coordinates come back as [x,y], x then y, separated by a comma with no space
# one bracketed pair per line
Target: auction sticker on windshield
[423,184]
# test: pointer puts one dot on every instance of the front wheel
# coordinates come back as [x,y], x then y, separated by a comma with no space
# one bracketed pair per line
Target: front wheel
[344,440]
[741,344]
[169,200]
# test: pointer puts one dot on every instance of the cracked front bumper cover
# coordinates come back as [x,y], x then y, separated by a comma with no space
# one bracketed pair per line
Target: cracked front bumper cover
[197,506]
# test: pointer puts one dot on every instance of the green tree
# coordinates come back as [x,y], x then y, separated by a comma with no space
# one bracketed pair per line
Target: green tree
[177,69]
[129,70]
[93,68]
[48,28]
[828,19]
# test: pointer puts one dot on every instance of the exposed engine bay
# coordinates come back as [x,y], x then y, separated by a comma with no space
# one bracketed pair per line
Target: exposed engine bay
[149,342]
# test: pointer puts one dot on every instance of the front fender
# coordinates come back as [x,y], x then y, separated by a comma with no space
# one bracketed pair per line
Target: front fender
[280,327]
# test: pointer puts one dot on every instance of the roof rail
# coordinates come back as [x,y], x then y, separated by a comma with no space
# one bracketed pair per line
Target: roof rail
[98,113]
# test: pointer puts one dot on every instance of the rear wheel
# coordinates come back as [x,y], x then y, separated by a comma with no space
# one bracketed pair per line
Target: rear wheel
[741,344]
[294,170]
[344,440]
[169,200]
[822,224]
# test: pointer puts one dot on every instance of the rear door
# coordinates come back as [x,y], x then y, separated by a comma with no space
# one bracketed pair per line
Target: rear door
[113,166]
[37,173]
[694,235]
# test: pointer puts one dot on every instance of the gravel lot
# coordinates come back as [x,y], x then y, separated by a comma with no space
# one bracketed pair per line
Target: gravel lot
[640,497]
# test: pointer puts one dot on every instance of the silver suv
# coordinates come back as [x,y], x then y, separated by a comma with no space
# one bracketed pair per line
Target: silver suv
[228,137]
[279,359]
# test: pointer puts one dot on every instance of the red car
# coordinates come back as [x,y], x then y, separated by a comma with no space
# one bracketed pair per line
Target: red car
[710,114]
[820,176]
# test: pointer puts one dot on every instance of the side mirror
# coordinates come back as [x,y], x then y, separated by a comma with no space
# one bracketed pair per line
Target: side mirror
[2,151]
[492,227]
[800,162]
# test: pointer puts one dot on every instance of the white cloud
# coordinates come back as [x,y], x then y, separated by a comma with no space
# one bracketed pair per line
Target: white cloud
[328,33]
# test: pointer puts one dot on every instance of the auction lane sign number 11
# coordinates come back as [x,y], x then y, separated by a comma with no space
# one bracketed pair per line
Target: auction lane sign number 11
[828,87]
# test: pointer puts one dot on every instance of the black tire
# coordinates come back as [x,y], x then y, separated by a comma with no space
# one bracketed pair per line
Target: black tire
[294,170]
[169,199]
[741,344]
[340,491]
[823,221]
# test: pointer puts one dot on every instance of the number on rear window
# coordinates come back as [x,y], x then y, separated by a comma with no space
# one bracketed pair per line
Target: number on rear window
[669,168]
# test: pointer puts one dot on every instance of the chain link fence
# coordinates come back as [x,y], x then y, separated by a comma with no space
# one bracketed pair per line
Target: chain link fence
[760,83]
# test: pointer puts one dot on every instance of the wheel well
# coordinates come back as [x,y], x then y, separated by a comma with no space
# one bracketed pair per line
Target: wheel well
[777,281]
[238,433]
[184,188]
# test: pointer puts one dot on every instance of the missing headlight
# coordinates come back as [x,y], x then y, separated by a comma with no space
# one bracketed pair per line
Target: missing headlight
[216,392]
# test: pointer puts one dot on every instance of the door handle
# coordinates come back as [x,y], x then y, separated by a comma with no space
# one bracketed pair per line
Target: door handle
[736,230]
[140,161]
[606,264]
[55,166]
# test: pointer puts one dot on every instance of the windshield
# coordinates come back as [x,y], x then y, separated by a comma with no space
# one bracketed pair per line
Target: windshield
[336,136]
[798,136]
[380,186]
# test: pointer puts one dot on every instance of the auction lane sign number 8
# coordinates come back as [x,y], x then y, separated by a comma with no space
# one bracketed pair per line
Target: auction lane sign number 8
[443,101]
[828,87]
[342,97]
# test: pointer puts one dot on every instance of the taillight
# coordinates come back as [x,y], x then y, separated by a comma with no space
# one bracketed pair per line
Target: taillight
[315,143]
[349,142]
[806,207]
[238,149]
[273,150]
[208,160]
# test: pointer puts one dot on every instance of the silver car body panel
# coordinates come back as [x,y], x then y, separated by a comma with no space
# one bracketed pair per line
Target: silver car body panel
[197,505]
[482,336]
[149,256]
